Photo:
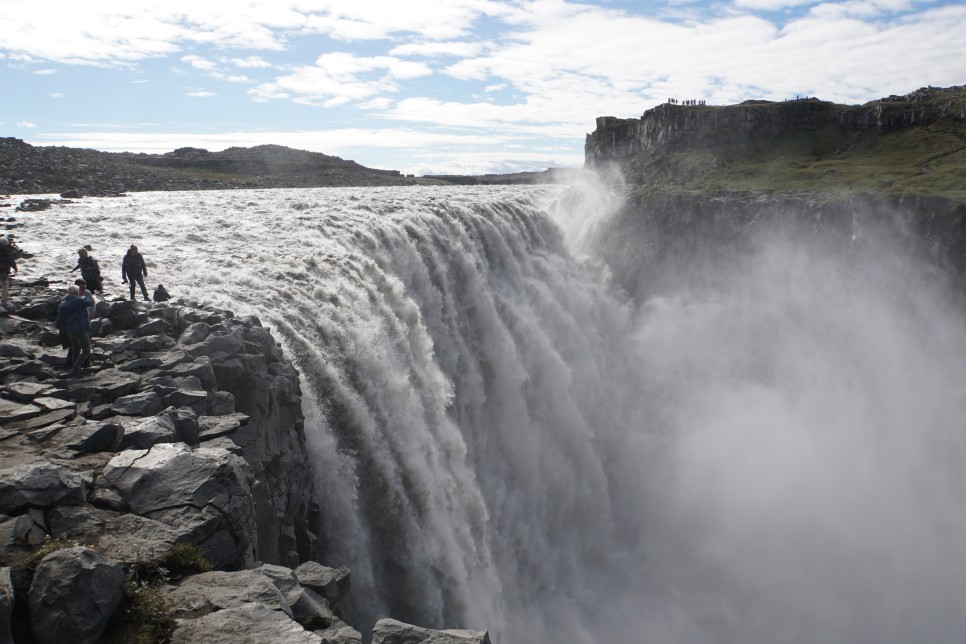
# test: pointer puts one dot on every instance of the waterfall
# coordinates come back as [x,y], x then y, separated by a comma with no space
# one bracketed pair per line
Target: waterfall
[503,442]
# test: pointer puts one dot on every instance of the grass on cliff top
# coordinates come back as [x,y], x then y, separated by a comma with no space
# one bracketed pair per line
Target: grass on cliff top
[920,161]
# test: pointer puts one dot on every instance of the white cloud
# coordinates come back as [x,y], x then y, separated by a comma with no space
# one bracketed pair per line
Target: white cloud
[771,5]
[45,72]
[199,62]
[56,95]
[339,78]
[251,62]
[201,93]
[434,49]
[26,124]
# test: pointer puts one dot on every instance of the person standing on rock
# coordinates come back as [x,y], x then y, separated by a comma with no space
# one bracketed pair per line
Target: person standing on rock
[134,270]
[85,294]
[7,261]
[90,271]
[74,320]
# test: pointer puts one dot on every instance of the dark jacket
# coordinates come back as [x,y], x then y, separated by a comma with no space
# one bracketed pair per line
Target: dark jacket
[72,314]
[7,259]
[133,264]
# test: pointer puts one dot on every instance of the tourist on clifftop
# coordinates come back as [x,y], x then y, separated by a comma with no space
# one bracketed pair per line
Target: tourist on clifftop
[74,320]
[90,271]
[134,270]
[7,261]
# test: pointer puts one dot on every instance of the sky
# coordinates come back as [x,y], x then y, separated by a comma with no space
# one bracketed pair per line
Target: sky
[439,86]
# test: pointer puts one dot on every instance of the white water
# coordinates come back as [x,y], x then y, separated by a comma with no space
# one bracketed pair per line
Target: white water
[503,444]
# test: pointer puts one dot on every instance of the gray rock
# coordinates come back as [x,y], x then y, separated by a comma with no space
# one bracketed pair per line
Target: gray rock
[196,399]
[221,403]
[246,624]
[6,606]
[149,432]
[391,631]
[11,410]
[128,538]
[53,404]
[38,422]
[194,333]
[210,427]
[154,327]
[39,485]
[74,593]
[91,437]
[330,583]
[22,532]
[140,364]
[186,424]
[210,591]
[340,633]
[26,391]
[151,343]
[142,404]
[307,606]
[172,483]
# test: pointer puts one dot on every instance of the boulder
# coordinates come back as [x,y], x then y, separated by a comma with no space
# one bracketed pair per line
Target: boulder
[173,484]
[391,631]
[307,606]
[245,624]
[74,593]
[143,404]
[330,583]
[91,437]
[195,333]
[11,410]
[39,485]
[26,391]
[201,594]
[150,431]
[340,633]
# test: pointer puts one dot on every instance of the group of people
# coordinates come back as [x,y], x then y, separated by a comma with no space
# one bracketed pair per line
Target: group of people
[76,309]
[690,101]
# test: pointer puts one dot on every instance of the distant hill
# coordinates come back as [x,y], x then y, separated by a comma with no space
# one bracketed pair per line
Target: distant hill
[912,145]
[27,169]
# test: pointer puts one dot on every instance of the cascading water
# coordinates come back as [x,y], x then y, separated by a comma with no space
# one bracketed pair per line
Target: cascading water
[502,443]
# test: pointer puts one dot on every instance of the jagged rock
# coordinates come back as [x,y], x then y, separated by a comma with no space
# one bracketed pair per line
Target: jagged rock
[40,309]
[38,422]
[186,423]
[154,327]
[26,391]
[39,485]
[11,410]
[172,477]
[53,404]
[330,583]
[307,606]
[151,343]
[74,593]
[6,606]
[340,633]
[110,384]
[221,403]
[140,364]
[391,631]
[142,404]
[23,532]
[91,437]
[201,368]
[195,399]
[211,591]
[195,333]
[211,427]
[150,431]
[127,538]
[245,624]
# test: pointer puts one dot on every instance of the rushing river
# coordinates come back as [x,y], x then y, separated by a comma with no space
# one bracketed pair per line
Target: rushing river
[503,442]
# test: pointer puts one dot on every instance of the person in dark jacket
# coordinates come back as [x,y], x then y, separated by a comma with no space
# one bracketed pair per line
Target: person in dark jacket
[7,261]
[90,271]
[161,294]
[74,320]
[134,270]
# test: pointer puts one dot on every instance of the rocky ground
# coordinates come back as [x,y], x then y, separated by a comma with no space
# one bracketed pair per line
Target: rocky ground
[164,495]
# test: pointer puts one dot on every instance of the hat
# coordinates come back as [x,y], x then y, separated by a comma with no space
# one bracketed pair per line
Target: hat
[80,280]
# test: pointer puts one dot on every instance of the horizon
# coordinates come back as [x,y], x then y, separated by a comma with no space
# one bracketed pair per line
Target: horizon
[453,87]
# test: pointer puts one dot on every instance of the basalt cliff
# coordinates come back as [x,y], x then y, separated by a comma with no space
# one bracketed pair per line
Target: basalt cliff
[700,179]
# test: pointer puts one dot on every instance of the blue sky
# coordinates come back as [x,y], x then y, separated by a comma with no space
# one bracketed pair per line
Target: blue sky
[439,86]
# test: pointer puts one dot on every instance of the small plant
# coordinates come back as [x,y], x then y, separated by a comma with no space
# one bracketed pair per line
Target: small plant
[146,606]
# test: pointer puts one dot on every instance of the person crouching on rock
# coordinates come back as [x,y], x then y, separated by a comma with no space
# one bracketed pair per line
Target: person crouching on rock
[7,261]
[74,320]
[161,294]
[90,271]
[134,270]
